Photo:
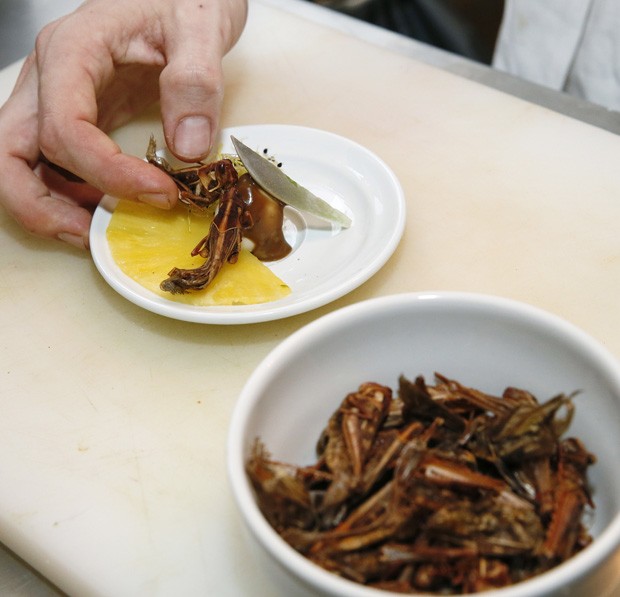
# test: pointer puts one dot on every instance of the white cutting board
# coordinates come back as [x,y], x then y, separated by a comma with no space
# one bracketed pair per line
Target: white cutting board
[113,420]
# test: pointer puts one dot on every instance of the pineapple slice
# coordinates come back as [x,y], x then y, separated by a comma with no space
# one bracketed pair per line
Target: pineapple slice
[147,242]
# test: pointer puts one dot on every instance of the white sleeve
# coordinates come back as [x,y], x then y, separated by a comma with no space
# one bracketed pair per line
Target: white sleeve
[595,73]
[538,39]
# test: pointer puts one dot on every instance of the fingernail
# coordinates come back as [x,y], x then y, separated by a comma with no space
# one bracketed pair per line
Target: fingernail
[192,137]
[155,199]
[73,239]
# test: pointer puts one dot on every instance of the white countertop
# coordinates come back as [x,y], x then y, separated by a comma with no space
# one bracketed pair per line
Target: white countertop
[114,420]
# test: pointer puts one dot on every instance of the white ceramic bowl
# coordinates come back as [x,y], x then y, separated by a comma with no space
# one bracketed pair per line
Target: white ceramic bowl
[484,342]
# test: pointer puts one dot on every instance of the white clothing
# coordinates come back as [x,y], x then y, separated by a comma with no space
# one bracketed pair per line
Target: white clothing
[568,45]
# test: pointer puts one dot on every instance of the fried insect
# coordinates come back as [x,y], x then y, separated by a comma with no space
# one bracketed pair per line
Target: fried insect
[200,187]
[221,245]
[243,209]
[440,488]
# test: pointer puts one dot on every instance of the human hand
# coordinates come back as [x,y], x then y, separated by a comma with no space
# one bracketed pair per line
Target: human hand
[90,72]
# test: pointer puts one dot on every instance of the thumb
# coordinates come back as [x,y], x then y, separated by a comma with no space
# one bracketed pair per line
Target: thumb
[191,85]
[191,98]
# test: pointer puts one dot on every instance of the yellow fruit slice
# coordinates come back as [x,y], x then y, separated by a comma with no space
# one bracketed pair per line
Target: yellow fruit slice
[147,243]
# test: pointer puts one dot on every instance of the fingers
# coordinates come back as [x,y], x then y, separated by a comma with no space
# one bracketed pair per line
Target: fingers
[187,38]
[198,34]
[93,70]
[69,133]
[28,199]
[24,196]
[99,161]
[30,202]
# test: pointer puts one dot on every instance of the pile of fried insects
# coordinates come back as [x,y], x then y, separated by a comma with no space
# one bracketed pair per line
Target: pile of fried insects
[440,488]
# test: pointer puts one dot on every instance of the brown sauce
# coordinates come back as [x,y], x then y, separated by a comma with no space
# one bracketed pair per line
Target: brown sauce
[267,215]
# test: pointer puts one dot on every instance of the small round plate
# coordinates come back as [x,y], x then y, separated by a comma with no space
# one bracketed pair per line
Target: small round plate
[327,261]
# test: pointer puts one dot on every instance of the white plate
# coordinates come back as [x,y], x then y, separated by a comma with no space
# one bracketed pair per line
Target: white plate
[327,261]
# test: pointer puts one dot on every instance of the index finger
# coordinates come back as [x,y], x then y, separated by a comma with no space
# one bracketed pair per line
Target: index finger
[72,71]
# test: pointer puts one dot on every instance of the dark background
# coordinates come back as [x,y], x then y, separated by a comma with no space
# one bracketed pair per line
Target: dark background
[465,27]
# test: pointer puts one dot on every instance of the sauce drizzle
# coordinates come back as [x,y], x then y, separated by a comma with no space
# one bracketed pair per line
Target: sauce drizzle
[267,214]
